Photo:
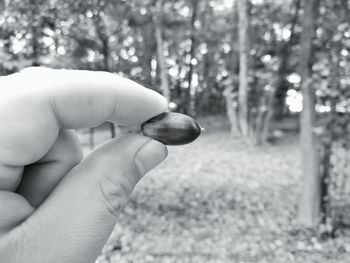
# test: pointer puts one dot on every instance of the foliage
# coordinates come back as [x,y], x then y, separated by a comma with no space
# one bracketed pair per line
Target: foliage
[67,35]
[90,34]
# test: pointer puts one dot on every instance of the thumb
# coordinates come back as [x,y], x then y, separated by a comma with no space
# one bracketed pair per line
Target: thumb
[74,223]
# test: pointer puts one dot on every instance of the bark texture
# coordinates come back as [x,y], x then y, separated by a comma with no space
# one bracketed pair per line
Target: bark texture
[310,203]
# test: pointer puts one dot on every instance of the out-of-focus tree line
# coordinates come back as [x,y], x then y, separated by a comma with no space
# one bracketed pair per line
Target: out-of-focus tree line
[250,59]
[188,50]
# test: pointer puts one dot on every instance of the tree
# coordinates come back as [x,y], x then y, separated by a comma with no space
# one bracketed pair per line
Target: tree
[309,205]
[148,46]
[188,96]
[244,47]
[140,19]
[35,32]
[164,82]
[102,33]
[278,92]
[330,72]
[230,92]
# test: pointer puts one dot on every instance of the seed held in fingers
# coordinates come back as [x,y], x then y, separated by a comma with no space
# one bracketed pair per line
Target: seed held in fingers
[172,128]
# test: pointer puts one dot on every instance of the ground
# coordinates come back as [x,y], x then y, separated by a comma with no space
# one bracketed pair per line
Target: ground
[217,200]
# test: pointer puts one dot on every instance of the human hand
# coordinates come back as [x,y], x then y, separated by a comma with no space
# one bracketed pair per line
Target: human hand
[54,206]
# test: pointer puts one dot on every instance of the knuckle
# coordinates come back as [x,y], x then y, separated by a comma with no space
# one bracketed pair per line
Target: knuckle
[74,154]
[30,70]
[132,174]
[114,194]
[38,74]
[69,144]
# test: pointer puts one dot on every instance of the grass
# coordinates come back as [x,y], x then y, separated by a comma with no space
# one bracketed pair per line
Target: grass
[217,200]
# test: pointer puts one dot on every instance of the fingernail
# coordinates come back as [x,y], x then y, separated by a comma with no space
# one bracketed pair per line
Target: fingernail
[150,155]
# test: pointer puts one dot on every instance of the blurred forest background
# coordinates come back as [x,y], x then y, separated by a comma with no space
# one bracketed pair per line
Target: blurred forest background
[270,81]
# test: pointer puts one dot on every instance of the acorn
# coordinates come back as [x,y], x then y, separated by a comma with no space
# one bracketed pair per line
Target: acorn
[171,128]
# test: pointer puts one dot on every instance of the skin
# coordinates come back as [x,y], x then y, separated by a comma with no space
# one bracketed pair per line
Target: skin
[55,205]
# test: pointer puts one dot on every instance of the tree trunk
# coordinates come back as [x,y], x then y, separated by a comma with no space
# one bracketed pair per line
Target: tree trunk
[208,83]
[107,68]
[101,31]
[164,82]
[310,203]
[209,70]
[231,111]
[35,32]
[266,125]
[284,52]
[231,88]
[276,96]
[190,103]
[244,47]
[147,35]
[105,53]
[334,54]
[4,7]
[260,130]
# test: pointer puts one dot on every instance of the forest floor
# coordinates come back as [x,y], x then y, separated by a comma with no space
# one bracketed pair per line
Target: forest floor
[217,200]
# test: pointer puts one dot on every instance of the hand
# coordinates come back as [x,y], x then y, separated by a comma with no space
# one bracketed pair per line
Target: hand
[55,207]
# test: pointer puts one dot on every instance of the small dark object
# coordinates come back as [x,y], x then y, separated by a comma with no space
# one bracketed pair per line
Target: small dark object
[172,128]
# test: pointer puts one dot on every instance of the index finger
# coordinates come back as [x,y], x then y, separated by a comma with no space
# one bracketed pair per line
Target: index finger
[81,98]
[37,102]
